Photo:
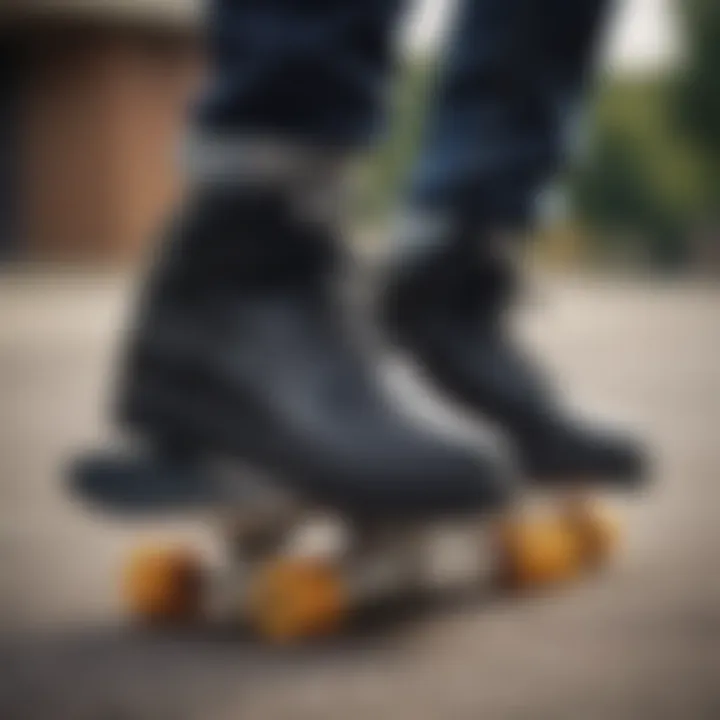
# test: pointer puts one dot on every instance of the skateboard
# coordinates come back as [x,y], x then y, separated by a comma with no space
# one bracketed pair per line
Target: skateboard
[287,584]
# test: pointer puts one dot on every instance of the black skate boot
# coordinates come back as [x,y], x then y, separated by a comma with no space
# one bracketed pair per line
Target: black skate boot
[242,350]
[447,306]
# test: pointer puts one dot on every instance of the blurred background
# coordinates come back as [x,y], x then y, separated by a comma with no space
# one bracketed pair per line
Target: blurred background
[93,96]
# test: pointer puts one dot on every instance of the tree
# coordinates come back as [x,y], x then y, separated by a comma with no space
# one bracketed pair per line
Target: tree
[618,198]
[697,95]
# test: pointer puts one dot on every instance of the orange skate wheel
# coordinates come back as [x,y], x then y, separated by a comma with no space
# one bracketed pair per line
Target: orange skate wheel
[163,584]
[596,527]
[537,552]
[292,599]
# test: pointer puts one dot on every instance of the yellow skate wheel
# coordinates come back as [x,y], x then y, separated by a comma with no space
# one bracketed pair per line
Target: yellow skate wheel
[537,552]
[597,529]
[292,599]
[163,585]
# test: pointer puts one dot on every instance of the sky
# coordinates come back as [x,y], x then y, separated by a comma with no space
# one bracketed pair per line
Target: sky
[642,37]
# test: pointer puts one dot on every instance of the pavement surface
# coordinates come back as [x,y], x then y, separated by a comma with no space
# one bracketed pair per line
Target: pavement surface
[642,640]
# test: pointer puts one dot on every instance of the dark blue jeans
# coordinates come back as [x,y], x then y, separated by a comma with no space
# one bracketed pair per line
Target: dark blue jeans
[318,71]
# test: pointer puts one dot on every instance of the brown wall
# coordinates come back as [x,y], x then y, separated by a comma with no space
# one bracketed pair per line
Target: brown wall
[102,119]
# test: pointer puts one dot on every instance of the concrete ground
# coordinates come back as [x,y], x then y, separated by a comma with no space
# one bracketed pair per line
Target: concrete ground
[640,641]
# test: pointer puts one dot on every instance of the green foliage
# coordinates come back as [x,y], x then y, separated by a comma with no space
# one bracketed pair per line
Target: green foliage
[639,179]
[654,167]
[697,91]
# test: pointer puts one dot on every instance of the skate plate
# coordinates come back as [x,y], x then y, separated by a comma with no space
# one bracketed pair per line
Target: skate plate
[285,591]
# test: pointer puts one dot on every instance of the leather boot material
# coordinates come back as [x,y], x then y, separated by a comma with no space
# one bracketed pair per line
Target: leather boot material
[448,305]
[242,348]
